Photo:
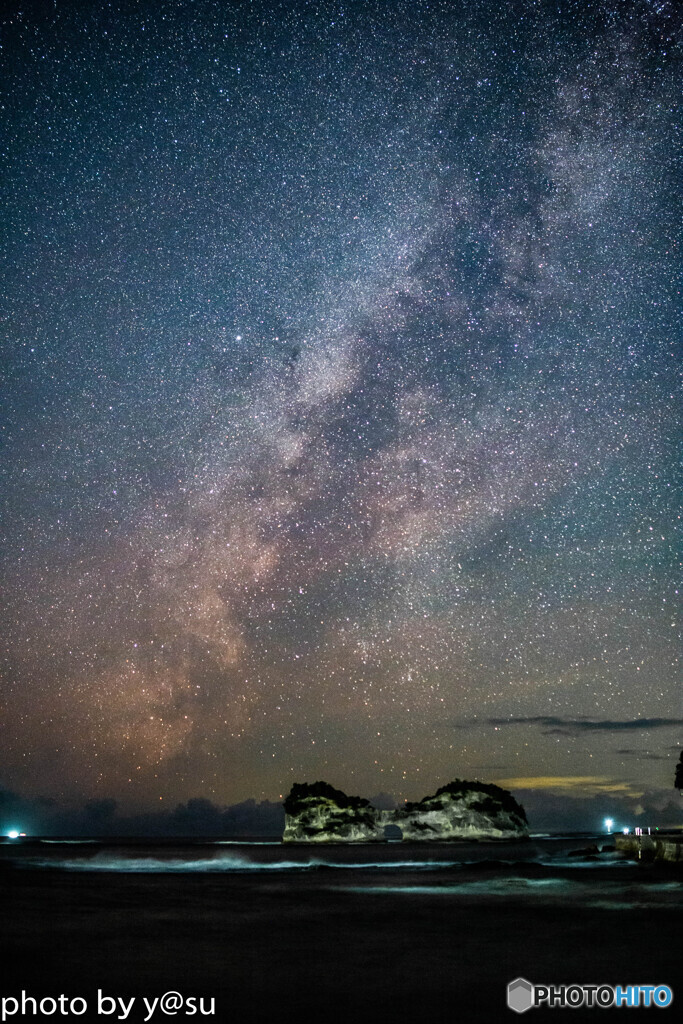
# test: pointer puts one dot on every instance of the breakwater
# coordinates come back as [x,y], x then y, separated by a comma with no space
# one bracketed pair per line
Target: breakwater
[649,848]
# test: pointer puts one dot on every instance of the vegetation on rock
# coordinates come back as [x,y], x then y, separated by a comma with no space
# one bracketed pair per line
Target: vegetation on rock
[299,796]
[494,799]
[319,812]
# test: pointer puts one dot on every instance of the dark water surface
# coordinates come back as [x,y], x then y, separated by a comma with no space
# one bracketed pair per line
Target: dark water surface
[393,932]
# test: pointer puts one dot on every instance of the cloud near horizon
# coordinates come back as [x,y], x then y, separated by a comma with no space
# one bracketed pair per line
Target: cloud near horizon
[582,785]
[568,726]
[643,755]
[102,817]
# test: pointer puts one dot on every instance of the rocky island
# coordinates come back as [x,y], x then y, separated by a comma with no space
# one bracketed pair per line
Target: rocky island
[318,813]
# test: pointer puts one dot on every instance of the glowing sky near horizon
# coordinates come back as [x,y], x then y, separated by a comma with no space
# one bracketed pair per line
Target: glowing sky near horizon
[339,406]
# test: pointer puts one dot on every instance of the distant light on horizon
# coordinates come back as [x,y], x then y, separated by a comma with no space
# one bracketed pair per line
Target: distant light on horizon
[13,834]
[609,822]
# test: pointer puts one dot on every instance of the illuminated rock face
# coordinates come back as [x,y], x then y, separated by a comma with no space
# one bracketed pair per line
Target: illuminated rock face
[319,813]
[461,810]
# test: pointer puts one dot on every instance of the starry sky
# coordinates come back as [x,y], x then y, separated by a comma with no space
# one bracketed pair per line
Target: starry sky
[338,397]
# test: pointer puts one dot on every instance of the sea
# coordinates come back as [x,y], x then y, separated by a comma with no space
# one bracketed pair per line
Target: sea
[252,930]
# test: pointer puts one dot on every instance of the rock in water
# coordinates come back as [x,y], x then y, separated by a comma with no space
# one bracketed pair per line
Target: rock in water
[318,813]
[463,810]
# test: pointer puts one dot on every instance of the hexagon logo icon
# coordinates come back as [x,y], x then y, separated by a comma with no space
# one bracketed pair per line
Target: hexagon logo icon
[520,995]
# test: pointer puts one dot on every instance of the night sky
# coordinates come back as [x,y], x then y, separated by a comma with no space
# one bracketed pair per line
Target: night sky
[339,400]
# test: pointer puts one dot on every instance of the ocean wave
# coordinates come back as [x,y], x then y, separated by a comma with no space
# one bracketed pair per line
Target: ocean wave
[69,842]
[107,862]
[549,891]
[243,861]
[247,842]
[597,861]
[490,887]
[225,862]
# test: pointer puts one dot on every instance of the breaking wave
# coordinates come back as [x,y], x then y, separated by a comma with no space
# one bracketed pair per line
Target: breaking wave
[223,863]
[69,842]
[548,891]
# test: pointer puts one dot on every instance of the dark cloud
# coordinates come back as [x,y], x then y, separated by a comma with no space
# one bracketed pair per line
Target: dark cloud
[642,755]
[99,811]
[195,818]
[556,726]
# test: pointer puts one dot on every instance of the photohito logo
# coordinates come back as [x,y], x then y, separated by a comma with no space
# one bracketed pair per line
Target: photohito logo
[523,996]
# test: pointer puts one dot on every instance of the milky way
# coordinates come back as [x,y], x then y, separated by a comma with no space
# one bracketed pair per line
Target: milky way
[339,407]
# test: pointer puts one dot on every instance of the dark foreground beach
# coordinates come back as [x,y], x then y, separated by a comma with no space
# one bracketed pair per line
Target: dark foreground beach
[382,933]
